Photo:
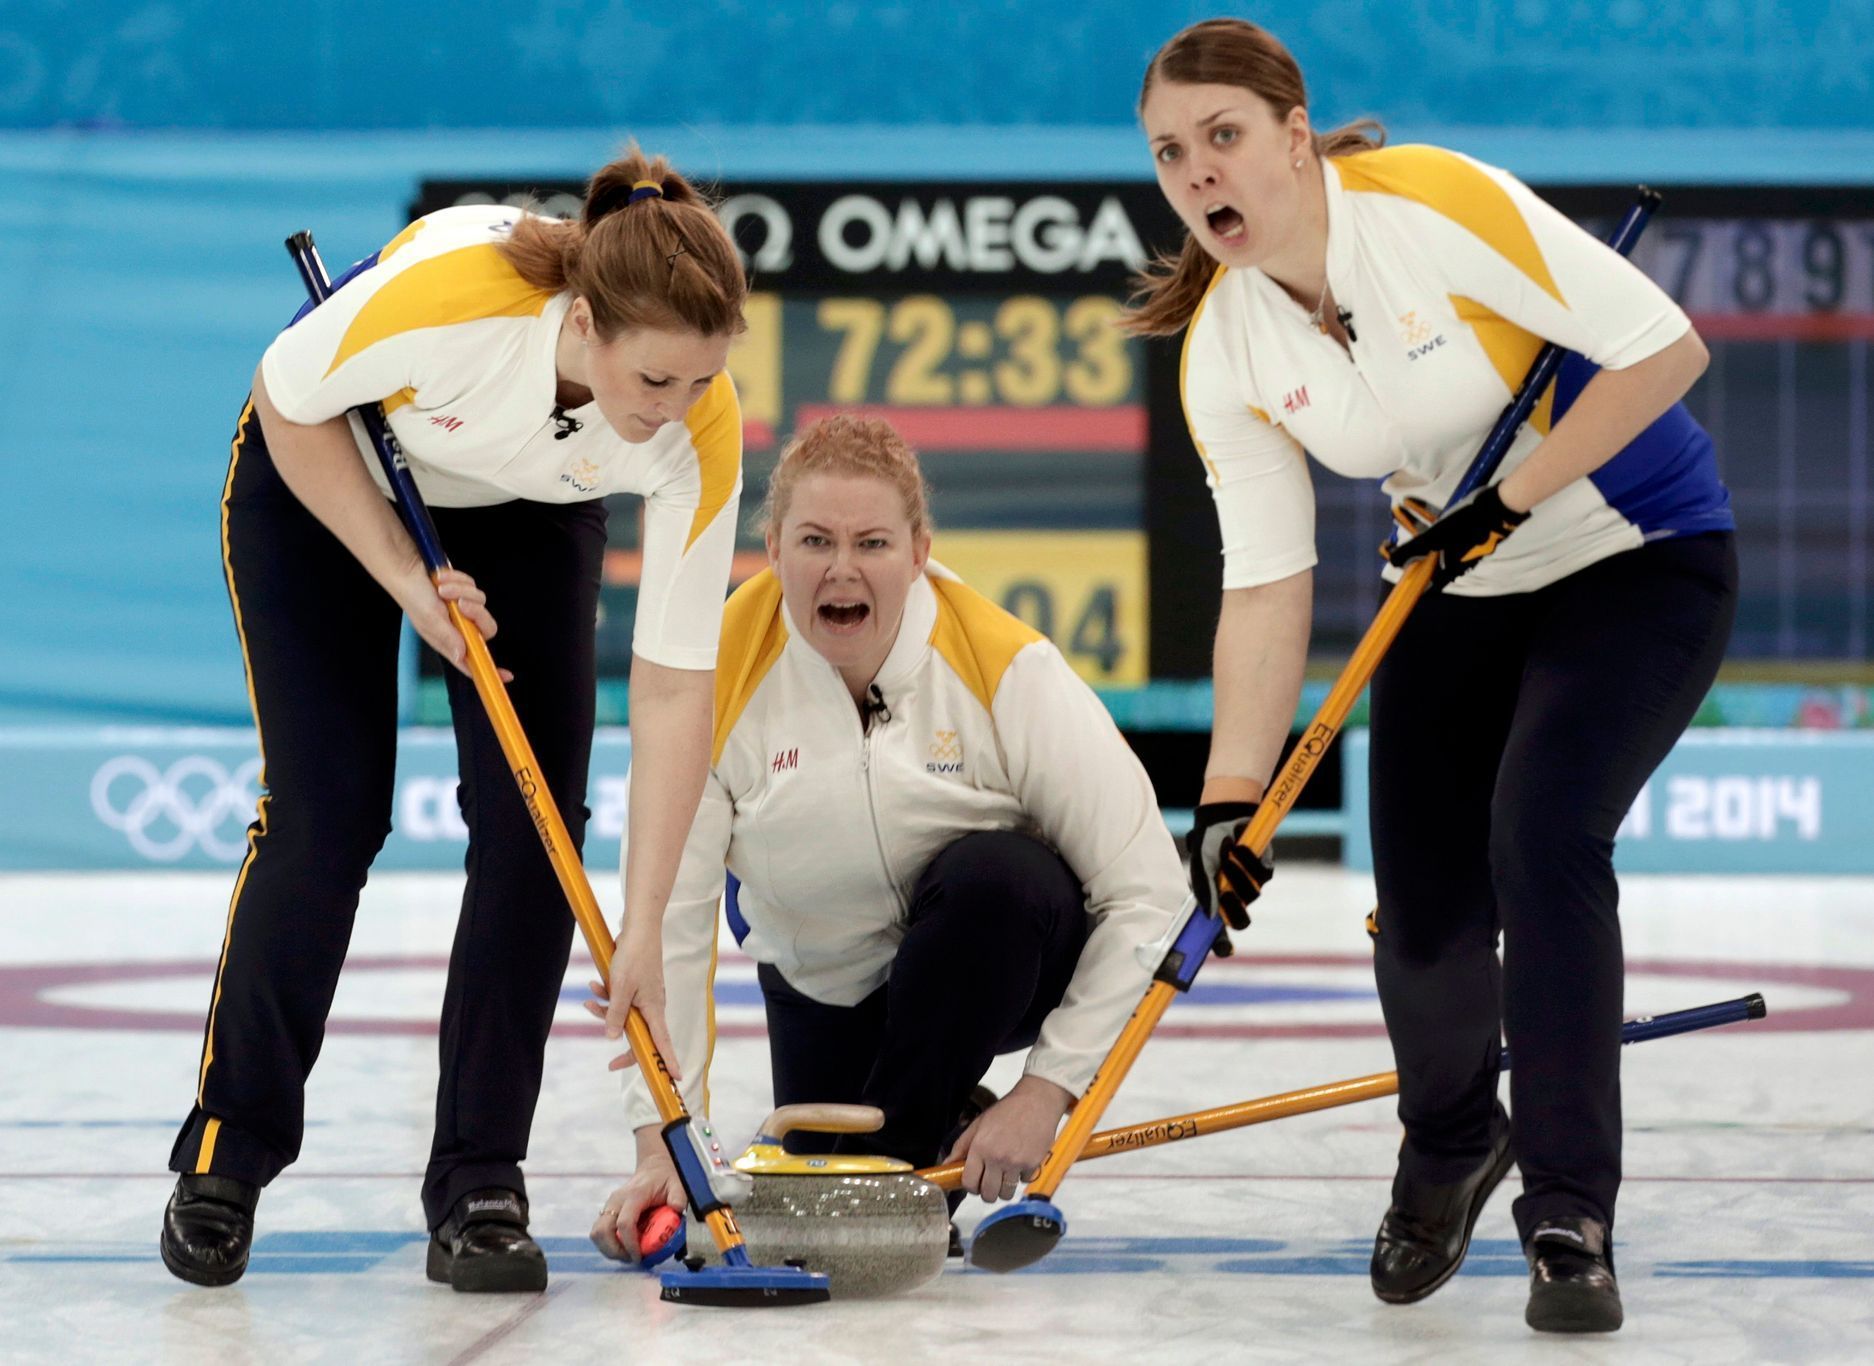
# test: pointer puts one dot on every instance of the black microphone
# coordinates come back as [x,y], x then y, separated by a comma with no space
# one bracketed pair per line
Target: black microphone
[874,706]
[1345,315]
[567,425]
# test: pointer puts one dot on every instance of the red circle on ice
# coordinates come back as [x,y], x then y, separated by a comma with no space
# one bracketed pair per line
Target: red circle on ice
[26,991]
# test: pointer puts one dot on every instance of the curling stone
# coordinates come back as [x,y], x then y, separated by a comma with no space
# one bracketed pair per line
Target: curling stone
[867,1222]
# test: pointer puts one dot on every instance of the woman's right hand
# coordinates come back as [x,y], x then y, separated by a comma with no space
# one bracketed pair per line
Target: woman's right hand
[615,1231]
[426,603]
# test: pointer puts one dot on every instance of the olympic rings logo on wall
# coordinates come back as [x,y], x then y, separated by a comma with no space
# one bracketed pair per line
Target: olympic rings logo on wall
[194,803]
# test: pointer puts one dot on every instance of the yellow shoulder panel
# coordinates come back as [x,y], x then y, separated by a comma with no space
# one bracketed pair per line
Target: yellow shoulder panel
[391,247]
[1184,361]
[456,287]
[754,632]
[1512,350]
[715,423]
[977,638]
[1456,188]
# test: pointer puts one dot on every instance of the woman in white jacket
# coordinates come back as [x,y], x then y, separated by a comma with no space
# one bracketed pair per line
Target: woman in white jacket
[945,848]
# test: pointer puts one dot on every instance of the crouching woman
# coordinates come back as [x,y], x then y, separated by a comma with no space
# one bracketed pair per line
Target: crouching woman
[945,849]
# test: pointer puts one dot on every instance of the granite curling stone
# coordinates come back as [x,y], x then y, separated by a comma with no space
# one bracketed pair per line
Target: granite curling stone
[871,1235]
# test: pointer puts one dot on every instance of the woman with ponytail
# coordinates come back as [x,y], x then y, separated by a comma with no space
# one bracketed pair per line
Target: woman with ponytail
[529,368]
[1375,307]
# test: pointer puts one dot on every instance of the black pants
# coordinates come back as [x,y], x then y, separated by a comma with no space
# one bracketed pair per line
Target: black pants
[997,922]
[1510,737]
[319,639]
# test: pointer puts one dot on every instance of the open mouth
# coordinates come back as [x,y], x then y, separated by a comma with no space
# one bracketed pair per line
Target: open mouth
[1225,222]
[843,616]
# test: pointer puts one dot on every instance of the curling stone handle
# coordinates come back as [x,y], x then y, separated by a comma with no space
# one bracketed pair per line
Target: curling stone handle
[821,1118]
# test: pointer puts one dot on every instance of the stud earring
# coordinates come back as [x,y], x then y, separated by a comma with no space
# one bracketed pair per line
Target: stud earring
[1298,163]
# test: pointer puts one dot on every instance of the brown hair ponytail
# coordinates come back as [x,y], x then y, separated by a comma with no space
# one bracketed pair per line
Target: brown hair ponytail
[1223,52]
[653,259]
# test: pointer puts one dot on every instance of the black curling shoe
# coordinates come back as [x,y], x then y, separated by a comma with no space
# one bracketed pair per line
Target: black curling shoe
[483,1247]
[1427,1230]
[208,1228]
[1571,1278]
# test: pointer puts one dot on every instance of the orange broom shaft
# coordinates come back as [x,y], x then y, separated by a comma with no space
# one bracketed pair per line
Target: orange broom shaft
[1174,1128]
[1087,1112]
[545,814]
[1281,796]
[1339,702]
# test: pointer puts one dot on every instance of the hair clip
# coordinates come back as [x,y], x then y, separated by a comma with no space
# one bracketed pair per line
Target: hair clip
[671,260]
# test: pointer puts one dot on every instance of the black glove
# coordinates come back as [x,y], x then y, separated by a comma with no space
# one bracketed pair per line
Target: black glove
[1226,875]
[1463,537]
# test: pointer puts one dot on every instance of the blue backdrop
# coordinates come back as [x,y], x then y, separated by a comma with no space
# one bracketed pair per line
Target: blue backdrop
[568,63]
[141,273]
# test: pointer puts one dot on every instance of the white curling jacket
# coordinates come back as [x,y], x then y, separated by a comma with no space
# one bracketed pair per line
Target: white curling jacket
[828,824]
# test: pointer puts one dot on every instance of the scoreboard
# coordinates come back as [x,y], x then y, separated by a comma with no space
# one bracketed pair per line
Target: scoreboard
[977,317]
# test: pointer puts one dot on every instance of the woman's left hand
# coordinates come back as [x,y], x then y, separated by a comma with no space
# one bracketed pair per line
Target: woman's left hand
[1007,1143]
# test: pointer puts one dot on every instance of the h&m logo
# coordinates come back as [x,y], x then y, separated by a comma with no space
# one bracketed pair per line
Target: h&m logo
[946,753]
[784,760]
[1419,338]
[1295,400]
[446,422]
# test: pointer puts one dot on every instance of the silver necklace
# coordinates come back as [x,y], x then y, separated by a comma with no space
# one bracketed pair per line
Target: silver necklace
[1318,317]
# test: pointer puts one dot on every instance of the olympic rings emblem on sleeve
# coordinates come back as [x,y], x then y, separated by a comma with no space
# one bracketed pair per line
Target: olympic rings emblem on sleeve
[195,802]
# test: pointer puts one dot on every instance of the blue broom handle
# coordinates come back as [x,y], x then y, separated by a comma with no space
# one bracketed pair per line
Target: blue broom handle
[1542,372]
[1749,1007]
[416,518]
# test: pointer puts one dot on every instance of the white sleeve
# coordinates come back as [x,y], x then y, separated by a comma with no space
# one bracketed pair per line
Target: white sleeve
[1607,309]
[1079,780]
[689,538]
[406,323]
[690,958]
[1257,473]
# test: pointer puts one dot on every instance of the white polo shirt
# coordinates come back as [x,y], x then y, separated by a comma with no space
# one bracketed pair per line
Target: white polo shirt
[1454,274]
[460,351]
